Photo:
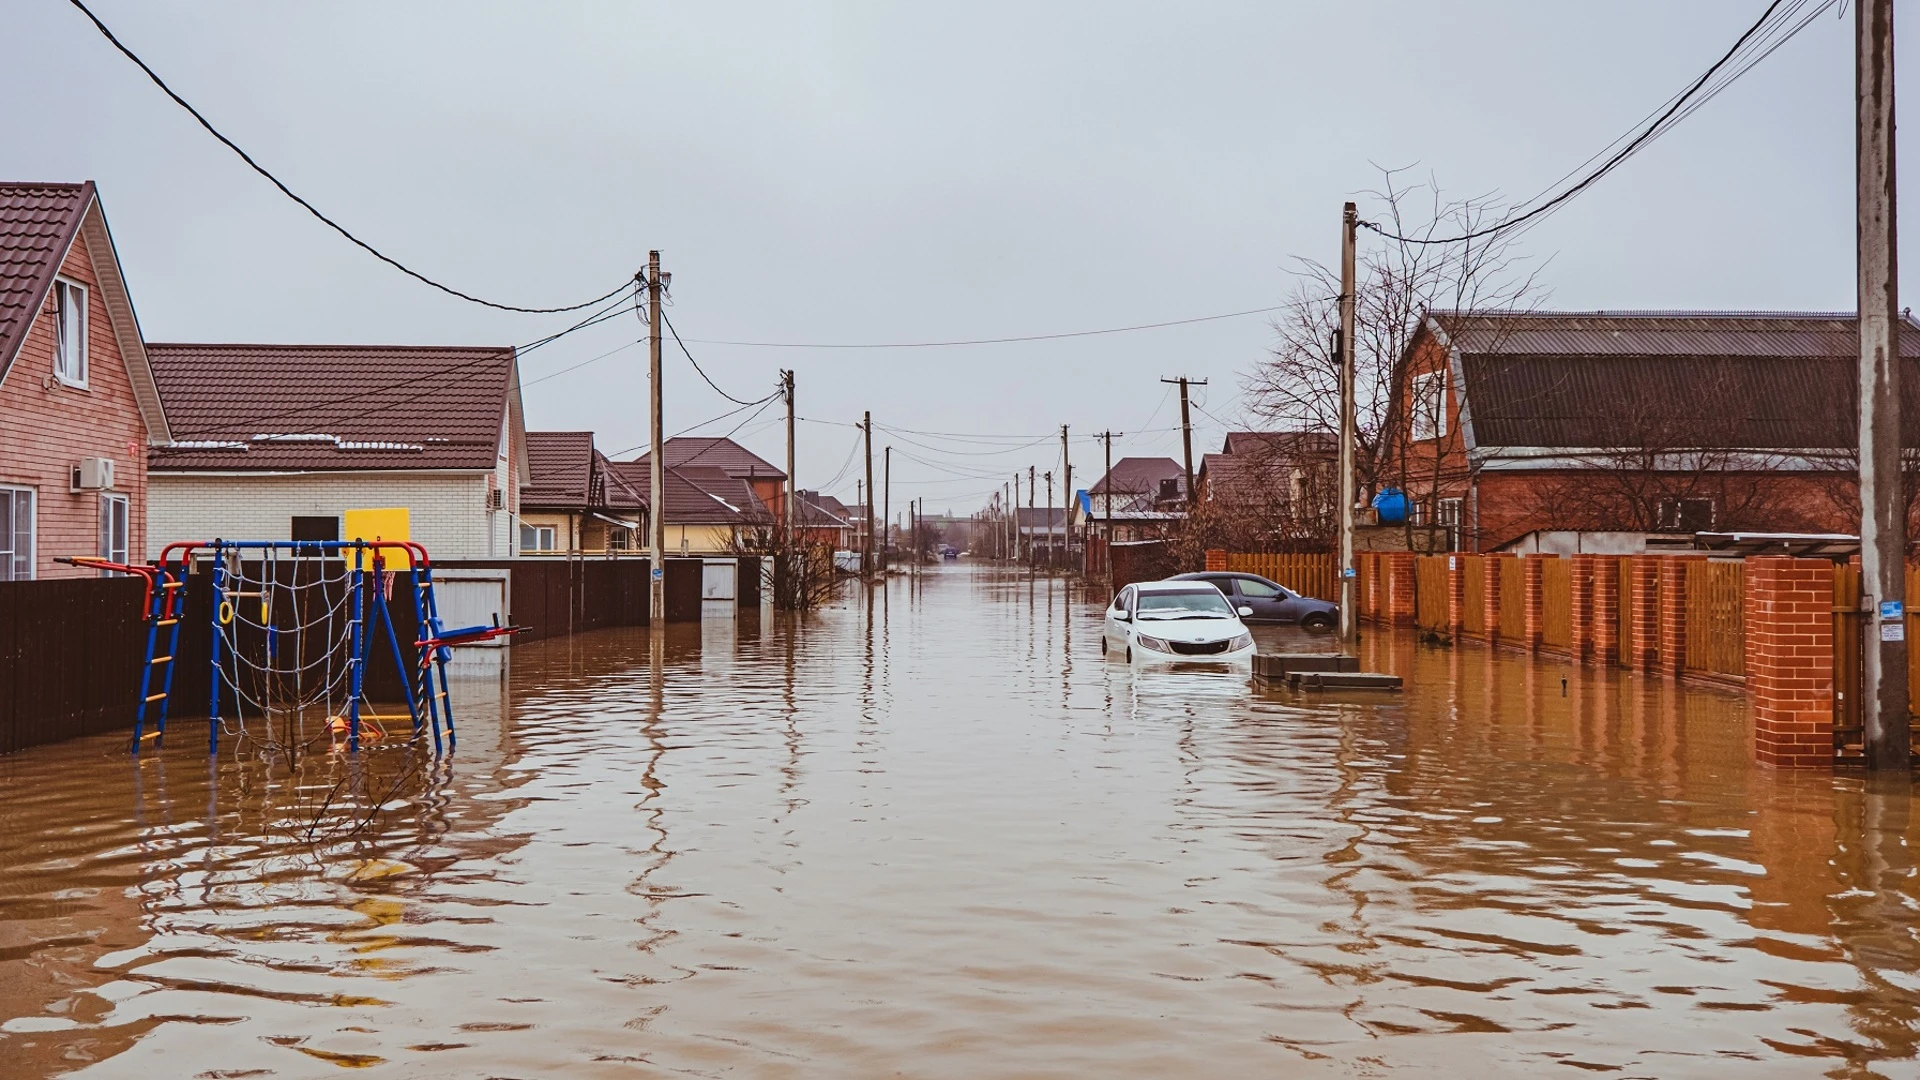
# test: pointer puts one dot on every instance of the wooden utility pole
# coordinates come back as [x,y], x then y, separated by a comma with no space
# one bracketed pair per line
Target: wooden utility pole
[1015,507]
[657,468]
[1186,430]
[1349,222]
[1883,521]
[1033,492]
[886,501]
[793,486]
[866,554]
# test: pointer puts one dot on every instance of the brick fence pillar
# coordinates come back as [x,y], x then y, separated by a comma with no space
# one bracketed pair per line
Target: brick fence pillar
[1790,682]
[1581,642]
[1370,603]
[1535,601]
[1457,595]
[1216,559]
[1606,609]
[1490,597]
[1644,581]
[1399,596]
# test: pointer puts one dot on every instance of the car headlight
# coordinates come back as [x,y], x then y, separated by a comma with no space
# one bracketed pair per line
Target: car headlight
[1244,641]
[1154,643]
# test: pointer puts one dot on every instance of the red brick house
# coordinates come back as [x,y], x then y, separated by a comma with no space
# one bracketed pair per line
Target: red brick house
[78,407]
[1648,422]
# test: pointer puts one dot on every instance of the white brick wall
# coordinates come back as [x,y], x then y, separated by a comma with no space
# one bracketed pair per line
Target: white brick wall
[448,511]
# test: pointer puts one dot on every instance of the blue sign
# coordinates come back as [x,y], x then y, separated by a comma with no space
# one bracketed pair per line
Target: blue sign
[1892,609]
[1349,572]
[658,574]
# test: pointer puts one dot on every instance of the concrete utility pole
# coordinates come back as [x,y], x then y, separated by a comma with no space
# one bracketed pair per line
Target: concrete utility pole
[866,555]
[1883,521]
[1107,507]
[1049,479]
[1033,491]
[1186,430]
[1349,222]
[657,468]
[886,501]
[793,486]
[1014,507]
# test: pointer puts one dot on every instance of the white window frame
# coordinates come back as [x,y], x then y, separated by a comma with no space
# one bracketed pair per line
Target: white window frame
[18,563]
[544,538]
[1428,400]
[70,332]
[115,517]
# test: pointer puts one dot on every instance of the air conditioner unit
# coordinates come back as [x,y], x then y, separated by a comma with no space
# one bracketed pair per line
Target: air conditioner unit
[93,474]
[496,499]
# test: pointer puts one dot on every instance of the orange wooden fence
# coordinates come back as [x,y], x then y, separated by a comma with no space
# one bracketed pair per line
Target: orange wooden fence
[1317,576]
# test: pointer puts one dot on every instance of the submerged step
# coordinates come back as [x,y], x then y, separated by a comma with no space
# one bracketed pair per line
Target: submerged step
[1277,665]
[1342,680]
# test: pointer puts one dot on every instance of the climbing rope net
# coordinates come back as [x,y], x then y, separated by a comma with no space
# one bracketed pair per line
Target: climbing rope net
[288,630]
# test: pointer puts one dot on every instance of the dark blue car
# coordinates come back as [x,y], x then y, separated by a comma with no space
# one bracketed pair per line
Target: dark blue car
[1271,601]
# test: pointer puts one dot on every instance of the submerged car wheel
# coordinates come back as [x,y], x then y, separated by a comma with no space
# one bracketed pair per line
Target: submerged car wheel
[1129,654]
[1319,622]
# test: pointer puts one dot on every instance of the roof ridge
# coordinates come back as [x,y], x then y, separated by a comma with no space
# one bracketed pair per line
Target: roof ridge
[501,349]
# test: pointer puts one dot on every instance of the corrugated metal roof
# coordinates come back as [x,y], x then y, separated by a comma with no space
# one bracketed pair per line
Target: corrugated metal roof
[697,496]
[721,453]
[1781,381]
[1139,475]
[302,407]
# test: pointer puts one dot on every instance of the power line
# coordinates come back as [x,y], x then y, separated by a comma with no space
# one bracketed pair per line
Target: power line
[981,341]
[309,207]
[1650,132]
[696,363]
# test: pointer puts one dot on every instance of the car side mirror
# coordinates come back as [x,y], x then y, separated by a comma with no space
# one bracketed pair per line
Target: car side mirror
[1121,616]
[1245,611]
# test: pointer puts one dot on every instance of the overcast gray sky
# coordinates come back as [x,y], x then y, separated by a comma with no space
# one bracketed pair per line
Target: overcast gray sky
[903,172]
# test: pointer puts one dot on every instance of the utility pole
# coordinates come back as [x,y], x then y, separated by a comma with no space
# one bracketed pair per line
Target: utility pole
[1883,523]
[1349,222]
[1066,497]
[793,486]
[1049,479]
[866,556]
[1186,429]
[657,469]
[886,502]
[1107,507]
[1033,490]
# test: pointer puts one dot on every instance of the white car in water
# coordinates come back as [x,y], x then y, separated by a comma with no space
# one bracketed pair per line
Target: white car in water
[1176,622]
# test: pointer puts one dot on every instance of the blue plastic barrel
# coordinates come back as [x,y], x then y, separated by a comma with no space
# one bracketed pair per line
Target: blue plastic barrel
[1392,505]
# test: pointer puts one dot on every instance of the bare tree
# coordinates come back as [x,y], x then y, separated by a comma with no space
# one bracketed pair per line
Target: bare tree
[803,574]
[1399,281]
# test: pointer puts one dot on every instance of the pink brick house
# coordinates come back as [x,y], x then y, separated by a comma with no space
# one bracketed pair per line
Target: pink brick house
[78,407]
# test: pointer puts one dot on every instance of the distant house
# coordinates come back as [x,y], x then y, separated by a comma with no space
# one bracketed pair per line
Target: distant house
[1632,422]
[574,503]
[78,407]
[735,461]
[280,442]
[705,510]
[1270,490]
[1140,496]
[824,519]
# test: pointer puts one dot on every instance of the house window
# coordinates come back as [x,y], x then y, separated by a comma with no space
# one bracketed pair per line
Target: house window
[316,527]
[1429,400]
[113,529]
[70,332]
[536,538]
[1447,512]
[1686,515]
[16,534]
[620,538]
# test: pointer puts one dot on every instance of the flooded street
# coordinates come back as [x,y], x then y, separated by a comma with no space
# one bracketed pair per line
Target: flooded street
[932,833]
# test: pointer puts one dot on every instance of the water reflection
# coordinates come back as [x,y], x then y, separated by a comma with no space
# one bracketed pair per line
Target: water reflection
[929,831]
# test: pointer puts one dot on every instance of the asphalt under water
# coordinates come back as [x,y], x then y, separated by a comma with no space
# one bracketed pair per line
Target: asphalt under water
[933,833]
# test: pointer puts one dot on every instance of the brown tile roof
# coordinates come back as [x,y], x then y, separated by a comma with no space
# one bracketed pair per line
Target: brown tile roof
[1780,381]
[560,469]
[1281,444]
[268,407]
[616,492]
[720,453]
[37,225]
[696,495]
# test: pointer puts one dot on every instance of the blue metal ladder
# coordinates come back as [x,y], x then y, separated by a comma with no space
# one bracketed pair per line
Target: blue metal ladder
[163,612]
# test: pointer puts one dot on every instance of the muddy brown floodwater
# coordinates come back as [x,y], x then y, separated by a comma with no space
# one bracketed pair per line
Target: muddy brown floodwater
[933,834]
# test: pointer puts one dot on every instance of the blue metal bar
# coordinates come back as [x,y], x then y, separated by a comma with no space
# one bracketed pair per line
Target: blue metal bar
[440,656]
[357,642]
[381,579]
[173,607]
[213,653]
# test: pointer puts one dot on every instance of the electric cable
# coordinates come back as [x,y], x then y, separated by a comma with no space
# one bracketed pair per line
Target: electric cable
[695,363]
[309,207]
[1646,135]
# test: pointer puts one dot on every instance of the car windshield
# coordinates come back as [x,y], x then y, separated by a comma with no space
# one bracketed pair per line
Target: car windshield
[1204,603]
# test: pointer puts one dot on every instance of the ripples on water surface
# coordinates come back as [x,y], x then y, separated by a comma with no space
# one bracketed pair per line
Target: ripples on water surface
[936,835]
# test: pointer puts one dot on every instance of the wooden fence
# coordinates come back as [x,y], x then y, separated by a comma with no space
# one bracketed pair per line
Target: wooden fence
[1556,604]
[1716,617]
[1474,619]
[1317,576]
[1430,593]
[1513,599]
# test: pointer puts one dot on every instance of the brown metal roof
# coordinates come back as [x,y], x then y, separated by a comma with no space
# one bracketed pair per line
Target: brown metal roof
[721,453]
[37,225]
[560,469]
[1140,476]
[1279,444]
[616,492]
[302,407]
[1667,380]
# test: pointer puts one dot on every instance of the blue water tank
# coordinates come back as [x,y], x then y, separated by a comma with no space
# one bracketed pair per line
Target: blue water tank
[1392,505]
